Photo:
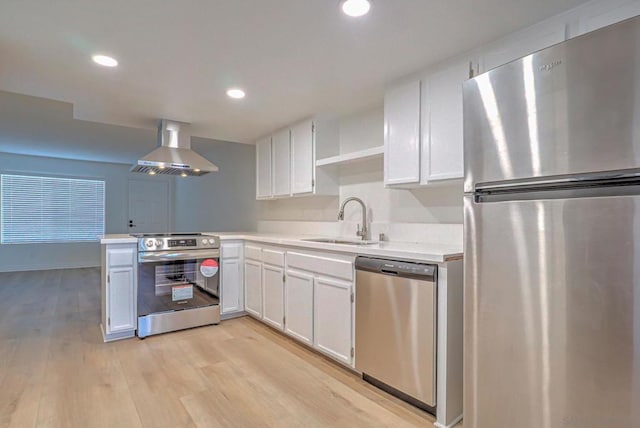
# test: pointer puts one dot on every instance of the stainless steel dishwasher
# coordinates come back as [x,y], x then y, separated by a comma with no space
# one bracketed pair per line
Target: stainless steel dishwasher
[396,328]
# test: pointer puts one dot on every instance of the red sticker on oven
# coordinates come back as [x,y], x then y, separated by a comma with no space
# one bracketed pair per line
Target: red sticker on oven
[209,267]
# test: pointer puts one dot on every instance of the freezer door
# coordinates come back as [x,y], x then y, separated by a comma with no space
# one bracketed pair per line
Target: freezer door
[552,313]
[569,109]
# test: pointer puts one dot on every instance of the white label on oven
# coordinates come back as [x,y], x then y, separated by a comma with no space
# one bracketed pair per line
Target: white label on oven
[182,292]
[209,268]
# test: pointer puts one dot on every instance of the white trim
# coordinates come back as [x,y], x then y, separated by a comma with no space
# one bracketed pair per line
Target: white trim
[31,267]
[451,425]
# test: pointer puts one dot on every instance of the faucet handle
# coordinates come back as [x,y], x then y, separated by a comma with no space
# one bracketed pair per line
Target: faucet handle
[358,232]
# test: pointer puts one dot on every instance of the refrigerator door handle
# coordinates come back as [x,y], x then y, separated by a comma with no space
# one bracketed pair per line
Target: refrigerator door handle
[594,179]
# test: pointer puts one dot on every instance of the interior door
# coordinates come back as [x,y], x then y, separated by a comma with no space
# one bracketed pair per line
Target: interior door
[149,208]
[552,312]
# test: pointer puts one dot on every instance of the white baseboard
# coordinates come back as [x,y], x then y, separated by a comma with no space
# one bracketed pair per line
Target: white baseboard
[31,267]
[451,425]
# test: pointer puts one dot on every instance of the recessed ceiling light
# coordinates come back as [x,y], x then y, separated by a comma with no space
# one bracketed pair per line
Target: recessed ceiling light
[235,93]
[356,8]
[104,60]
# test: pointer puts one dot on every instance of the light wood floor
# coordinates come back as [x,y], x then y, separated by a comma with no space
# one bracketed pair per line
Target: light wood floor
[55,370]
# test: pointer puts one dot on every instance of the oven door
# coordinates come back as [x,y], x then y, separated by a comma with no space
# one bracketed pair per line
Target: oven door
[177,280]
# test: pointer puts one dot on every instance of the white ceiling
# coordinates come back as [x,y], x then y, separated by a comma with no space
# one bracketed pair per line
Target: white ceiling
[294,58]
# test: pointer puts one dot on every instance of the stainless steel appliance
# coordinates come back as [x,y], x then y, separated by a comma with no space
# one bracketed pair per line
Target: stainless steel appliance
[173,156]
[552,236]
[178,282]
[396,328]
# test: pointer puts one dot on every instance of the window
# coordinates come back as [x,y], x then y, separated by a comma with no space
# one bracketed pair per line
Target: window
[50,209]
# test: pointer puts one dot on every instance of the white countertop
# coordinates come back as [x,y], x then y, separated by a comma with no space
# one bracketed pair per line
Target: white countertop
[121,238]
[435,253]
[416,251]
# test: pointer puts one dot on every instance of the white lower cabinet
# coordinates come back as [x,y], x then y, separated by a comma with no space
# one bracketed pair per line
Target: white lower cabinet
[231,281]
[253,287]
[306,294]
[119,287]
[273,295]
[299,306]
[333,318]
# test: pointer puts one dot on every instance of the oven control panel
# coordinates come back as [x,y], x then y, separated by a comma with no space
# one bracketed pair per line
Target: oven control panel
[166,243]
[182,243]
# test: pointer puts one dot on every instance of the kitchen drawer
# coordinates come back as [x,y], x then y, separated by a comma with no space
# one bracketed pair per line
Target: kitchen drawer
[273,257]
[252,252]
[231,251]
[322,265]
[121,256]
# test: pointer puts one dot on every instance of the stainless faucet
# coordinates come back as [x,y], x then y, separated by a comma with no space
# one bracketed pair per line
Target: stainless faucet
[364,232]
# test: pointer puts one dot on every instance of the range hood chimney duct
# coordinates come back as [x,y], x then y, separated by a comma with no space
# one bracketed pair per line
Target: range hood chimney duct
[173,155]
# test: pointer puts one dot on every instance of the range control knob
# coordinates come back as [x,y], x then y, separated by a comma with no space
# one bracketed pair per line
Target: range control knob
[204,242]
[158,242]
[149,243]
[212,241]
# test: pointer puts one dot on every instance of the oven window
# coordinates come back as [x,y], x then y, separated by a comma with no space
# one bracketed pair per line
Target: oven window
[175,285]
[177,273]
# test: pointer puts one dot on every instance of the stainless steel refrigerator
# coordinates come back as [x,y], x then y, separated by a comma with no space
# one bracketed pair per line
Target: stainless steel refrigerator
[552,237]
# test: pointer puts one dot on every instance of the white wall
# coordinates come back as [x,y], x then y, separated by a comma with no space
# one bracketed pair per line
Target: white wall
[438,204]
[67,255]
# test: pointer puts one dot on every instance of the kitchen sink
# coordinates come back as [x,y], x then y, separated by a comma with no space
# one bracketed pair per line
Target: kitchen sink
[340,241]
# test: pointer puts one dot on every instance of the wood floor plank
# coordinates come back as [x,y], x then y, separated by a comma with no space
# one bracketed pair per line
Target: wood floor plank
[55,371]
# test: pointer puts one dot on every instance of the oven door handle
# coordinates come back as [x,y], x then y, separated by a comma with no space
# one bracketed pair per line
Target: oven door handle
[167,256]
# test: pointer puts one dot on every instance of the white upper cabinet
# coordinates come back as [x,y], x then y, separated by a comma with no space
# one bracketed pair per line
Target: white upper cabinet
[264,174]
[402,134]
[302,158]
[286,162]
[442,139]
[600,14]
[281,151]
[423,128]
[523,43]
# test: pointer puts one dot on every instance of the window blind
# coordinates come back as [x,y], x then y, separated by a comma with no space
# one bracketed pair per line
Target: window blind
[50,209]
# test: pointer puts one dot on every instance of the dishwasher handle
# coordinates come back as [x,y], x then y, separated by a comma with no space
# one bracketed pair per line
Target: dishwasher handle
[397,268]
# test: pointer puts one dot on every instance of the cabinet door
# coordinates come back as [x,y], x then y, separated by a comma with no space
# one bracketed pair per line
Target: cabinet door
[273,295]
[231,286]
[263,169]
[281,163]
[333,318]
[299,306]
[601,14]
[122,299]
[402,134]
[524,43]
[442,123]
[253,288]
[302,164]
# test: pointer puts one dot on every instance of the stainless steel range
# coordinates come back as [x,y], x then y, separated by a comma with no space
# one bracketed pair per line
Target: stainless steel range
[178,282]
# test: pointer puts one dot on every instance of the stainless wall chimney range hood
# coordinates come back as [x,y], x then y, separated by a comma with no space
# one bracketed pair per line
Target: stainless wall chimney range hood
[173,155]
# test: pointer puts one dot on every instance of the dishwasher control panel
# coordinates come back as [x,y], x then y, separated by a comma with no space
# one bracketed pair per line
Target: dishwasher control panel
[392,267]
